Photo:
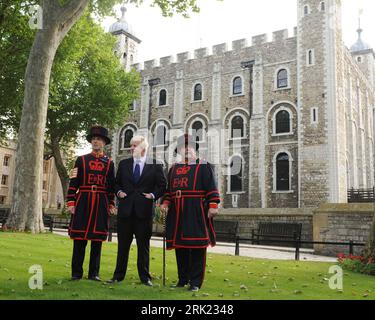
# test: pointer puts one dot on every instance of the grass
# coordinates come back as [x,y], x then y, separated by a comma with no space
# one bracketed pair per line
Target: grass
[227,277]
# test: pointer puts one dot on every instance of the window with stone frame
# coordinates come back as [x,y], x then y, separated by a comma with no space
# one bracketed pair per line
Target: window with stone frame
[6,162]
[310,57]
[160,137]
[197,131]
[322,6]
[237,127]
[282,122]
[282,79]
[282,172]
[237,86]
[128,136]
[198,92]
[306,10]
[2,199]
[4,180]
[236,171]
[162,98]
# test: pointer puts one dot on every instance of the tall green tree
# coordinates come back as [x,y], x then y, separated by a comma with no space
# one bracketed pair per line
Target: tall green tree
[16,38]
[58,17]
[88,86]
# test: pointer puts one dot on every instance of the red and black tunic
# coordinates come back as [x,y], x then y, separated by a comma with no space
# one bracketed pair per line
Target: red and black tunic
[91,191]
[191,190]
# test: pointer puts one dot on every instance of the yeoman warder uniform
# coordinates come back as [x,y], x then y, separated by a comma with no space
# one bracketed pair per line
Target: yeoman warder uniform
[91,192]
[191,191]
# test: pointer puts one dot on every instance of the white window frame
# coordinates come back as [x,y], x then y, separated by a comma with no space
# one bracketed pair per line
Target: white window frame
[276,79]
[204,128]
[242,86]
[308,64]
[321,7]
[235,114]
[274,173]
[193,90]
[166,100]
[279,109]
[133,128]
[304,10]
[229,190]
[158,124]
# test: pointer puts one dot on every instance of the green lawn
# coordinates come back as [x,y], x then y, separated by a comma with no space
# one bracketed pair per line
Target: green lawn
[227,277]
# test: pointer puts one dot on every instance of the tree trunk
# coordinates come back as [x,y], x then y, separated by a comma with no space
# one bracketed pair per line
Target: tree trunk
[61,169]
[26,211]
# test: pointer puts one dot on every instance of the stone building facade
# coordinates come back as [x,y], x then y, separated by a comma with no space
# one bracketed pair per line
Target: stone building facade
[288,122]
[51,186]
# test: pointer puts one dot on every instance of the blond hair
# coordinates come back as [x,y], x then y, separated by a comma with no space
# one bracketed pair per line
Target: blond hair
[140,141]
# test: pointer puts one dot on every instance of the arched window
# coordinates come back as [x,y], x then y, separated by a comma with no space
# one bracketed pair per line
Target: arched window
[198,92]
[282,122]
[128,135]
[236,172]
[306,10]
[282,78]
[282,172]
[237,125]
[237,86]
[322,6]
[163,97]
[197,128]
[160,138]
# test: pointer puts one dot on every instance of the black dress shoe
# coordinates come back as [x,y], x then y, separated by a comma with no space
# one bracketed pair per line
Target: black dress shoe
[114,280]
[95,278]
[75,278]
[194,289]
[147,283]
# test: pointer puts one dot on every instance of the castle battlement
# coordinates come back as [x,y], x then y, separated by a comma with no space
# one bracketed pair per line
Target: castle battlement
[217,50]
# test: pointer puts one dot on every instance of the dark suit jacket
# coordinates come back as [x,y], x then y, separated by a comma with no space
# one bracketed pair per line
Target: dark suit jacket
[152,180]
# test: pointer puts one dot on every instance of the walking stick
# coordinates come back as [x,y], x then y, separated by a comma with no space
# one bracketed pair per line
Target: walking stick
[164,242]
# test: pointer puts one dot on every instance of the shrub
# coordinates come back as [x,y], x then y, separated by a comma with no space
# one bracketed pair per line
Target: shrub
[357,264]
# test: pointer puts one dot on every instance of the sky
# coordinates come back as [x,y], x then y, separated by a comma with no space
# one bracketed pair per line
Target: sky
[228,20]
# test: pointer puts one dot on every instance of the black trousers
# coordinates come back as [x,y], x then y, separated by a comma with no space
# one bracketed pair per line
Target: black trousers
[191,266]
[126,229]
[79,249]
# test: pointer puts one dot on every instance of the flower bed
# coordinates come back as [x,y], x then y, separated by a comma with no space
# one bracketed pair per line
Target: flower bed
[357,264]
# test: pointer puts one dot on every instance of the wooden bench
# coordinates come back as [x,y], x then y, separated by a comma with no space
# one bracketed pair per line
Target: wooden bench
[278,234]
[274,232]
[52,222]
[226,230]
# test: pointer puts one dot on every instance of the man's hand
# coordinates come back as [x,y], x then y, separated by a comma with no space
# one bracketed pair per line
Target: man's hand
[148,196]
[72,209]
[164,208]
[212,212]
[122,195]
[112,210]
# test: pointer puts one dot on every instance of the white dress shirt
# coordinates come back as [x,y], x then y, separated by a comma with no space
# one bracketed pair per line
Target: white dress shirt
[141,161]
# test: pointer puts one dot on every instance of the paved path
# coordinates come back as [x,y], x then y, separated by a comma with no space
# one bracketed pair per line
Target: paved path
[274,253]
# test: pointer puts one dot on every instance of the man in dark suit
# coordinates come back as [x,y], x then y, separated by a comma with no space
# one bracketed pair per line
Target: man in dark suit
[139,182]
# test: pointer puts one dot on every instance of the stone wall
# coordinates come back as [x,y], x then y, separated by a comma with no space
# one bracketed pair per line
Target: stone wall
[342,223]
[249,219]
